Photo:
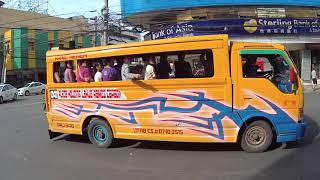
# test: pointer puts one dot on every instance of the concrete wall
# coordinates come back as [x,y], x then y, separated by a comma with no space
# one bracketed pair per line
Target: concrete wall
[306,65]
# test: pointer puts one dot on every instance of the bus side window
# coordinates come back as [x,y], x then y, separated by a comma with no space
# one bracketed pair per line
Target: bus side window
[194,64]
[58,69]
[270,66]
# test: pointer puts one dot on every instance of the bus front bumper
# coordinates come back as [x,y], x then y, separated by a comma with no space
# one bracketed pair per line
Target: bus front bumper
[292,132]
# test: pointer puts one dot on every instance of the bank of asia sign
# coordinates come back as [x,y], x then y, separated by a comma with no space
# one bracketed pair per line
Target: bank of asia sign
[241,27]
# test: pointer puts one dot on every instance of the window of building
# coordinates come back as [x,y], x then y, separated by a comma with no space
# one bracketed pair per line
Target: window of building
[32,44]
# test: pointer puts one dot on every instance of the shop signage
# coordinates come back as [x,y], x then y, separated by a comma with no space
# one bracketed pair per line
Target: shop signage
[242,27]
[271,12]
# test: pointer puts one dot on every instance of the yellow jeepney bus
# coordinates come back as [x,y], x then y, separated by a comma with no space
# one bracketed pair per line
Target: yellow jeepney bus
[190,89]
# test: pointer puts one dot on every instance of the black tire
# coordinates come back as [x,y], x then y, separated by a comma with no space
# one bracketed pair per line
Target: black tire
[1,99]
[100,133]
[42,91]
[27,93]
[257,137]
[15,97]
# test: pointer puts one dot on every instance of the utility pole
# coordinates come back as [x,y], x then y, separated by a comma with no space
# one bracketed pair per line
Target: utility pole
[6,52]
[95,30]
[105,12]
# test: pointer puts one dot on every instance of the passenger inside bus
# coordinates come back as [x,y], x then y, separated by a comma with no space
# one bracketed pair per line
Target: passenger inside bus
[84,72]
[182,67]
[250,68]
[282,74]
[206,60]
[163,68]
[150,69]
[185,64]
[125,72]
[98,74]
[56,73]
[69,75]
[109,72]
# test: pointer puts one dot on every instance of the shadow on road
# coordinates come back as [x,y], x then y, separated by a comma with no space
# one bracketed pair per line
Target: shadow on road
[312,130]
[178,146]
[73,138]
[16,101]
[301,162]
[120,143]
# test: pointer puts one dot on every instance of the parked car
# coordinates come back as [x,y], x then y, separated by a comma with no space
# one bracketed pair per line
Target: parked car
[8,93]
[32,88]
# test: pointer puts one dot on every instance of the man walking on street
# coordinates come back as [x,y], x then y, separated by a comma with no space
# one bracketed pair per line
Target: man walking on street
[314,79]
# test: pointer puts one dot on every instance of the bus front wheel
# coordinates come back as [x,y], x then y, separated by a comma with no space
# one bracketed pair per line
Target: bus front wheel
[257,137]
[100,133]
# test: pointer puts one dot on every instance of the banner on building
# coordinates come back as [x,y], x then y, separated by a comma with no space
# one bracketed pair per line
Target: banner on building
[242,27]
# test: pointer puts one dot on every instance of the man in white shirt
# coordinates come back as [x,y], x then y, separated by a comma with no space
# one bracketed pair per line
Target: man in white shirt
[98,75]
[150,72]
[314,79]
[125,72]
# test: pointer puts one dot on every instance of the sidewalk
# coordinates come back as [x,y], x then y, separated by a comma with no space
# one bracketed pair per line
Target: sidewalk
[308,87]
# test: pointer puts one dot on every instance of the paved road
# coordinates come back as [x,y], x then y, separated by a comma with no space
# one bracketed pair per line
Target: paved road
[26,153]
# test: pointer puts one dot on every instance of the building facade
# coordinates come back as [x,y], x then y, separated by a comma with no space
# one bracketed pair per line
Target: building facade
[24,52]
[291,22]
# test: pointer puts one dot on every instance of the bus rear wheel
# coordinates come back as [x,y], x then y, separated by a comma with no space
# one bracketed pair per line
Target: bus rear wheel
[100,133]
[257,137]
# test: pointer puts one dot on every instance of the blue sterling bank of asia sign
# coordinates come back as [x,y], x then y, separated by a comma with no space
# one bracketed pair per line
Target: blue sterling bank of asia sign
[242,27]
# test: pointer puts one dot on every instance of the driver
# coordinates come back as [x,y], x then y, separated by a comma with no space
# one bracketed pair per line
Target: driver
[249,68]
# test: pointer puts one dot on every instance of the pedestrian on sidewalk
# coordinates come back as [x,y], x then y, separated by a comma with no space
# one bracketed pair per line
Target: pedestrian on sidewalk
[314,79]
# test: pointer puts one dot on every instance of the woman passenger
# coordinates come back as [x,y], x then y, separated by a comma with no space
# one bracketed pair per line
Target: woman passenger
[84,73]
[56,74]
[69,75]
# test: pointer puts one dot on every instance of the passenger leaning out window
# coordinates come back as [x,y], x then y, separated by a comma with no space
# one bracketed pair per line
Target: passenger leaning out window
[69,75]
[109,72]
[98,74]
[125,72]
[150,70]
[84,73]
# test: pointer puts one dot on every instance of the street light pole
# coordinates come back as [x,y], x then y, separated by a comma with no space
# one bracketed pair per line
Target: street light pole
[95,30]
[105,12]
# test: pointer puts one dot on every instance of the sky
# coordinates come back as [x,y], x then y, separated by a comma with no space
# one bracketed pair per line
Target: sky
[80,6]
